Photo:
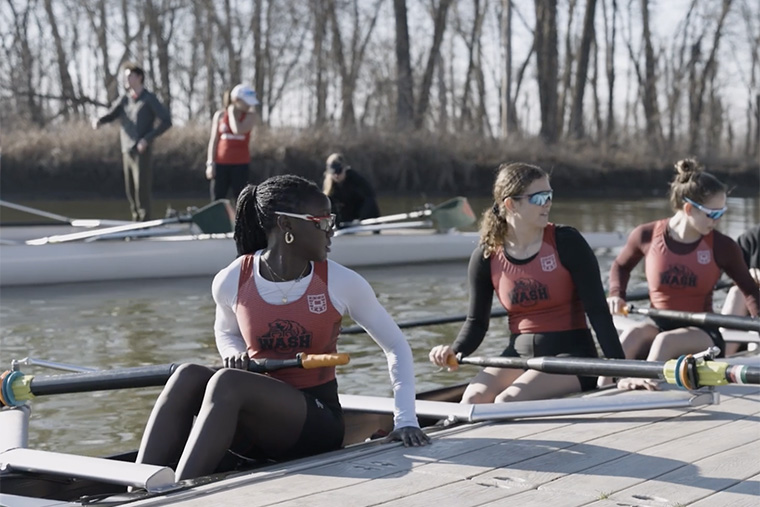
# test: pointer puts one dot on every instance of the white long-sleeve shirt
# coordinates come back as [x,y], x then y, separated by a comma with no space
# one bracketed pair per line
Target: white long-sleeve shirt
[349,292]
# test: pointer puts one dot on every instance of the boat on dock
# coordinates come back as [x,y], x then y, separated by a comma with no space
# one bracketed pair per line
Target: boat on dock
[632,439]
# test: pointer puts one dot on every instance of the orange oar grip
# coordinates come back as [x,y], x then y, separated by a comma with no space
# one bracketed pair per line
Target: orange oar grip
[452,361]
[322,360]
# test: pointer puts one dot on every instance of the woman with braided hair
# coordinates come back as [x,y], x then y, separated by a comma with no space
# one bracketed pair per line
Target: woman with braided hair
[684,256]
[547,278]
[281,296]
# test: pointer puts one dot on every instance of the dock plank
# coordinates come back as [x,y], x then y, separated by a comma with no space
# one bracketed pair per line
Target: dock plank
[702,456]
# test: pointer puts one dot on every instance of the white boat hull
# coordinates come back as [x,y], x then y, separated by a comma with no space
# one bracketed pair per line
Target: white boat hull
[204,255]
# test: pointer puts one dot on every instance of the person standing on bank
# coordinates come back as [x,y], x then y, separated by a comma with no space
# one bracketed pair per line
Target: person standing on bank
[352,196]
[547,278]
[281,296]
[229,157]
[684,256]
[143,118]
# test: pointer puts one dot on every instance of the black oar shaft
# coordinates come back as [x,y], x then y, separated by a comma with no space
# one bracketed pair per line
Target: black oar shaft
[703,318]
[574,366]
[740,374]
[121,378]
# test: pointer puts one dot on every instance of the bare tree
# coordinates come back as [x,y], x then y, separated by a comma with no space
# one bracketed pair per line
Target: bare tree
[567,72]
[404,83]
[319,12]
[439,26]
[546,58]
[68,97]
[651,109]
[699,80]
[609,62]
[576,113]
[349,65]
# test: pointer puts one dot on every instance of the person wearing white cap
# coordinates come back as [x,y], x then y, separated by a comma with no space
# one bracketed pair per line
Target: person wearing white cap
[229,156]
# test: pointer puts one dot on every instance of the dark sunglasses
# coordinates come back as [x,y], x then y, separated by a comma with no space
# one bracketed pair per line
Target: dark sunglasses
[336,167]
[538,198]
[325,223]
[715,214]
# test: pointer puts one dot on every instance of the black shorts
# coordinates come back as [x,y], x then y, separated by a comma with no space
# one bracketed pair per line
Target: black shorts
[712,331]
[322,431]
[324,428]
[573,343]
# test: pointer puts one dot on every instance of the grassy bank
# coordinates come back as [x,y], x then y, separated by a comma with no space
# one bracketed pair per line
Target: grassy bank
[73,161]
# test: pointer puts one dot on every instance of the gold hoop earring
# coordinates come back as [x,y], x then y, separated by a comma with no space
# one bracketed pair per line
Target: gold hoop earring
[289,237]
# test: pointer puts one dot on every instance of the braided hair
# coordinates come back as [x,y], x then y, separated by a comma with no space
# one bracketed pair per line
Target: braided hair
[693,182]
[255,212]
[512,179]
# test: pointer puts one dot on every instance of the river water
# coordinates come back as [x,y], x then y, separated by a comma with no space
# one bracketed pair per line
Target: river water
[121,324]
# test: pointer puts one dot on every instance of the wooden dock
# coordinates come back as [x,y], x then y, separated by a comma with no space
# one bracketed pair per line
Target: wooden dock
[706,456]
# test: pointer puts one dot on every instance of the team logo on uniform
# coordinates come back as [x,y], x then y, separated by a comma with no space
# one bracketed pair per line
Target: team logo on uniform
[678,277]
[703,256]
[317,303]
[528,292]
[548,263]
[285,336]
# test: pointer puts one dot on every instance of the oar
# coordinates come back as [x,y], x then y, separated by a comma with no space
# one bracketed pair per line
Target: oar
[451,214]
[17,387]
[687,371]
[214,218]
[496,312]
[76,222]
[700,318]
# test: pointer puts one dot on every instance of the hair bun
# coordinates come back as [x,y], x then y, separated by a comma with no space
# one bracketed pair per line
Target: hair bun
[688,166]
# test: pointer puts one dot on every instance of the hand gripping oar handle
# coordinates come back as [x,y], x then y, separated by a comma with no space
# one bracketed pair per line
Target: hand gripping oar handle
[700,318]
[16,388]
[687,371]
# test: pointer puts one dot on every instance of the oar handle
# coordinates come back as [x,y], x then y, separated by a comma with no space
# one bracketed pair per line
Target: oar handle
[309,361]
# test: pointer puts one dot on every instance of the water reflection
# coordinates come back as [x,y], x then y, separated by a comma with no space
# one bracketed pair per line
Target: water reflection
[164,321]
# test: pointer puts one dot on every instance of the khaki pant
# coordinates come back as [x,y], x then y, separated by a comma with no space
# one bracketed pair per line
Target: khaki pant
[138,183]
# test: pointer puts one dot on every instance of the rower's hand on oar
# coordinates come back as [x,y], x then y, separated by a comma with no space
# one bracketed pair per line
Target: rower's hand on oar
[411,436]
[617,305]
[444,357]
[632,384]
[238,361]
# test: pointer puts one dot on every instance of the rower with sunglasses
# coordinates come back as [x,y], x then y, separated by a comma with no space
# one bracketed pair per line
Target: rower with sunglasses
[280,297]
[547,278]
[684,256]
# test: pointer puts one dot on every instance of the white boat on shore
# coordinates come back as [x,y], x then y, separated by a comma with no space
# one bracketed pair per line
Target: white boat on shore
[177,253]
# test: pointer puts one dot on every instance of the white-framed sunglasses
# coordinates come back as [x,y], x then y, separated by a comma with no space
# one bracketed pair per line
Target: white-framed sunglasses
[325,223]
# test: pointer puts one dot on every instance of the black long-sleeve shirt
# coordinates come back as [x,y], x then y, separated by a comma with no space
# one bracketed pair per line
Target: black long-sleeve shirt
[578,258]
[354,198]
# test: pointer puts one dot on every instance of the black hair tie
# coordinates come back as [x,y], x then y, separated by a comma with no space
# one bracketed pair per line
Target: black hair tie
[495,209]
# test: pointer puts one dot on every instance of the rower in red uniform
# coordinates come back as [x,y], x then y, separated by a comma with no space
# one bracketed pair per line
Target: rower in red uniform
[684,256]
[547,278]
[280,297]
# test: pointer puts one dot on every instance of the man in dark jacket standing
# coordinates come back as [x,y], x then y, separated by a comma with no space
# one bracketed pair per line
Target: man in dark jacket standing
[143,118]
[352,196]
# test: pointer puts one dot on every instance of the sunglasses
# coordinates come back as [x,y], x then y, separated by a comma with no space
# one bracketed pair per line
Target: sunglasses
[325,223]
[714,214]
[538,198]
